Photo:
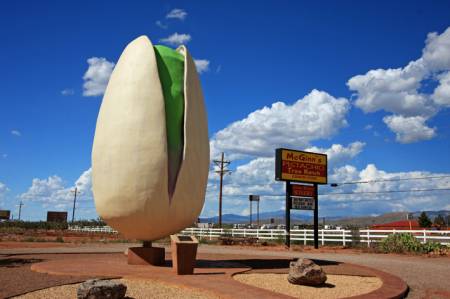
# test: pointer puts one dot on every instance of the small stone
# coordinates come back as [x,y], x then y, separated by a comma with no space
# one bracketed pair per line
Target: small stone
[306,272]
[101,289]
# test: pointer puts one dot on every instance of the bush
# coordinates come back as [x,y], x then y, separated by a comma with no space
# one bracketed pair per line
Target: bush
[33,225]
[407,243]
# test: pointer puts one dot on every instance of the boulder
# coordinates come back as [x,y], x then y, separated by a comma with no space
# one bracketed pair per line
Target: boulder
[306,272]
[101,289]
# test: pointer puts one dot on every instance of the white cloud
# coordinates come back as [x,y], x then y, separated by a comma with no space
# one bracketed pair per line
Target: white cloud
[365,203]
[316,116]
[3,190]
[436,53]
[393,90]
[16,133]
[441,95]
[257,176]
[97,76]
[399,90]
[161,25]
[68,92]
[338,154]
[202,65]
[177,13]
[409,129]
[176,39]
[53,192]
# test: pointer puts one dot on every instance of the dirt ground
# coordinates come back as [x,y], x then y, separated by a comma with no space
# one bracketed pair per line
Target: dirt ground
[426,276]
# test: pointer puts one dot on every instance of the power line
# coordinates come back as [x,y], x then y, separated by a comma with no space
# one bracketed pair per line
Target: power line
[352,193]
[349,183]
[387,191]
[389,180]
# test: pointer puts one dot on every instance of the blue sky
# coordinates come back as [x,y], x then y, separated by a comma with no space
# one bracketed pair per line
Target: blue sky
[366,82]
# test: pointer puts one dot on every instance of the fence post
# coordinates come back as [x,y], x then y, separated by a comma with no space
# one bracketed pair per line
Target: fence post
[424,236]
[244,232]
[323,241]
[343,237]
[271,234]
[304,236]
[257,233]
[210,234]
[368,238]
[232,232]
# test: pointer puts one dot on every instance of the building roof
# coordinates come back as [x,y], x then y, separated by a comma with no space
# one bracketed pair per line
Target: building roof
[403,224]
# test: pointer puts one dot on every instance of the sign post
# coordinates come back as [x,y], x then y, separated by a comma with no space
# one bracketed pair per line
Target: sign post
[301,167]
[252,198]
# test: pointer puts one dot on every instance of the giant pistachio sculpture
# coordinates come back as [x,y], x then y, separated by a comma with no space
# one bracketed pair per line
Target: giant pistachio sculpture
[150,157]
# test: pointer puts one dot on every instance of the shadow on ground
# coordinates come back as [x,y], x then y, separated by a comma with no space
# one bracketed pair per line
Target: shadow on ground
[17,262]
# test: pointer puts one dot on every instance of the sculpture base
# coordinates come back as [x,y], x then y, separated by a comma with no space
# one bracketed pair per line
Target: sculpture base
[146,256]
[184,253]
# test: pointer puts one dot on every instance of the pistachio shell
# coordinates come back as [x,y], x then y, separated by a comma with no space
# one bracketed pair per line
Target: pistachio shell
[129,156]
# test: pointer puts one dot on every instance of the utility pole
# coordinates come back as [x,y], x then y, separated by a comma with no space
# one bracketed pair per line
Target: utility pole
[222,164]
[74,202]
[20,208]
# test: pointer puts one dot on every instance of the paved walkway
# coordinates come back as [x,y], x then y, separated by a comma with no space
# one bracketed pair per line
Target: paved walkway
[426,277]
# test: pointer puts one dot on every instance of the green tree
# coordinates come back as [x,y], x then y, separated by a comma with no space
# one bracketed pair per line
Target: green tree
[439,220]
[424,221]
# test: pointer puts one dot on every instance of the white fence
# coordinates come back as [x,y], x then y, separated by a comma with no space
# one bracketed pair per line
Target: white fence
[343,237]
[326,236]
[93,229]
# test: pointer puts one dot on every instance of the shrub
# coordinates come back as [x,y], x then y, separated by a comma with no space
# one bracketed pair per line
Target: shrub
[407,243]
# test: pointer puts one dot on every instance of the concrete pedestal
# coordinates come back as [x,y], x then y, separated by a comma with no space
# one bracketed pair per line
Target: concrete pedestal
[184,252]
[146,256]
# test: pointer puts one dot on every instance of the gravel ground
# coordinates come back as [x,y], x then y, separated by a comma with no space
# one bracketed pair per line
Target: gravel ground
[337,286]
[17,278]
[427,277]
[137,289]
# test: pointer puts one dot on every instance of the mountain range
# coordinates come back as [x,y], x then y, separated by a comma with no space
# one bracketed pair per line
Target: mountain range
[278,217]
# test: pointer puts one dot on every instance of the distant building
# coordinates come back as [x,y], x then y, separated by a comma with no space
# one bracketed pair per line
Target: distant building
[204,225]
[400,225]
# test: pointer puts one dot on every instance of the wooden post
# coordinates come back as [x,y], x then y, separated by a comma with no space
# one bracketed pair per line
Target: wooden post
[288,214]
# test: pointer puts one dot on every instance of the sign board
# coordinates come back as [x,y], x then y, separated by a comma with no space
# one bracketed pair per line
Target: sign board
[53,216]
[253,197]
[300,166]
[5,214]
[302,190]
[302,203]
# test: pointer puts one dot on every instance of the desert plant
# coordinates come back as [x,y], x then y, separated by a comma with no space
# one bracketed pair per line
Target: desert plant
[407,243]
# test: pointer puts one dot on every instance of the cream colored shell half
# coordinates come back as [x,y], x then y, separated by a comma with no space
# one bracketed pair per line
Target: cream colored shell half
[129,155]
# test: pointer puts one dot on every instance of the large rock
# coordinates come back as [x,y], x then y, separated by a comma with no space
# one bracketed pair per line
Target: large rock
[101,289]
[306,272]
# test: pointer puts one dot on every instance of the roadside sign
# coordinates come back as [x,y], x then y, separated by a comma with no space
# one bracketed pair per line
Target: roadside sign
[253,197]
[302,190]
[53,216]
[300,166]
[5,214]
[302,203]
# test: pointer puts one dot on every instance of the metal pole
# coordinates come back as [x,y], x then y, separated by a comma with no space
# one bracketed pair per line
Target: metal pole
[74,201]
[288,214]
[20,208]
[250,213]
[257,213]
[316,218]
